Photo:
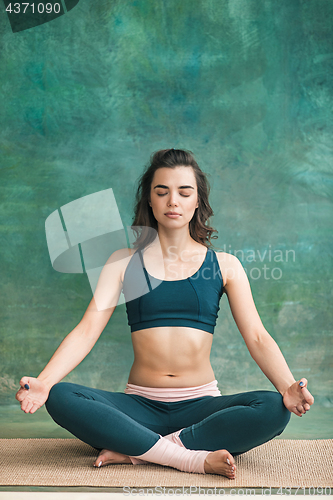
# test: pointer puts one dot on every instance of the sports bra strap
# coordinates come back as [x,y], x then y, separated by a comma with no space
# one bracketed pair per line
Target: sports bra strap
[145,270]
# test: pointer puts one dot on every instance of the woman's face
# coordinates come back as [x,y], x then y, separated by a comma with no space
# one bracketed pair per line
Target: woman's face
[174,196]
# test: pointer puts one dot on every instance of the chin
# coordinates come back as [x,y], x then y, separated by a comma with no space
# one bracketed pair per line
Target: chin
[174,223]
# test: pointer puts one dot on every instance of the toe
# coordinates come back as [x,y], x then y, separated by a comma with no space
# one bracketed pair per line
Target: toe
[231,462]
[100,459]
[232,466]
[230,459]
[107,457]
[221,462]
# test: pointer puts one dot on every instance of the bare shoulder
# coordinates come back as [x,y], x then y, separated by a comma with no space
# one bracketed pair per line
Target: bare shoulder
[119,260]
[110,281]
[121,254]
[230,266]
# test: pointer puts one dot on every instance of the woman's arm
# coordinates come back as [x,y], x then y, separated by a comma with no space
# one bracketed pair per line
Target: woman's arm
[262,347]
[79,342]
[76,346]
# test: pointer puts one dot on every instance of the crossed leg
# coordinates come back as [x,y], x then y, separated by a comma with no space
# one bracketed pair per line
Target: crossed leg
[132,426]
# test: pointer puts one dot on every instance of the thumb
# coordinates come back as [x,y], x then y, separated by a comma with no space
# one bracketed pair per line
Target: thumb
[303,383]
[307,396]
[25,383]
[23,390]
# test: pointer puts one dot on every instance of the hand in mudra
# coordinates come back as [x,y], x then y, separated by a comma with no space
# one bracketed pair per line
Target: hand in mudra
[297,398]
[33,398]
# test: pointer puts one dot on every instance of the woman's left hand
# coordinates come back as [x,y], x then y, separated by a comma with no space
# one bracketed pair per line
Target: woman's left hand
[297,398]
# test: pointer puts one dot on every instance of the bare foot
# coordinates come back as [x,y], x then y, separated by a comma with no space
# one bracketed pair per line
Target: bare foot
[107,457]
[220,462]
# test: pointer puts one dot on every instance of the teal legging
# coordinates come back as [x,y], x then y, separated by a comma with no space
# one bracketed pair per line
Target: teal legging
[131,424]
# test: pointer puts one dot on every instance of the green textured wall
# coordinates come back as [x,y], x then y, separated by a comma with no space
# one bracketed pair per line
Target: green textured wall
[247,86]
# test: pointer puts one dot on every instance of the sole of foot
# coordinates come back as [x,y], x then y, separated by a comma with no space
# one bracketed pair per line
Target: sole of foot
[220,462]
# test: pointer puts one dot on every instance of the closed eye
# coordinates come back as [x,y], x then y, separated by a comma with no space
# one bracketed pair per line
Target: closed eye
[184,195]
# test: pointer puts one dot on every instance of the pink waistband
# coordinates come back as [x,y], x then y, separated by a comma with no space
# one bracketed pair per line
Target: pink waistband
[173,394]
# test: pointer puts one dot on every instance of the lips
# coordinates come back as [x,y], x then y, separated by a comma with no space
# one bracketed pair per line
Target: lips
[172,215]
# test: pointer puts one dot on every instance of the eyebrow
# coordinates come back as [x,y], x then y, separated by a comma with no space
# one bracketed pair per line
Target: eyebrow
[167,187]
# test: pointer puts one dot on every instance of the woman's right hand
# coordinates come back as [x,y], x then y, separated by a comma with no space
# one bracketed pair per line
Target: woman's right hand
[33,398]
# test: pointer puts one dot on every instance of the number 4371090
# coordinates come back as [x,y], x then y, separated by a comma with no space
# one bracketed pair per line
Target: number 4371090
[19,8]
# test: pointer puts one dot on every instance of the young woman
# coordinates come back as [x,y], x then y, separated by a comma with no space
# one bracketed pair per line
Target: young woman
[171,412]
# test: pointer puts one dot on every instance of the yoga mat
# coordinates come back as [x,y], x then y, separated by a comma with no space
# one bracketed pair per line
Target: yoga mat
[68,462]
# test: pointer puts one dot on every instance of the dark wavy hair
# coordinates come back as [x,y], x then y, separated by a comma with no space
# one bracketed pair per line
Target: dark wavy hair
[200,231]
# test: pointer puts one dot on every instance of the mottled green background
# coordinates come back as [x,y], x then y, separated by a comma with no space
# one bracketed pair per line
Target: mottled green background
[247,86]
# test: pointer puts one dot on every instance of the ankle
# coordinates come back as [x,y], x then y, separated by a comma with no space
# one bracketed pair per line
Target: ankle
[174,438]
[170,454]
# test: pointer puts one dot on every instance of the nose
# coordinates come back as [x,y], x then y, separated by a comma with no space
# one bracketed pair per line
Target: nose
[173,200]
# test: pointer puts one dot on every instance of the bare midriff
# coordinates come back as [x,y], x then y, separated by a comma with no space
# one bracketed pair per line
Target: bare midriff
[171,357]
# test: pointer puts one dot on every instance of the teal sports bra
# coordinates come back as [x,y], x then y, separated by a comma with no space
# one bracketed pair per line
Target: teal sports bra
[191,302]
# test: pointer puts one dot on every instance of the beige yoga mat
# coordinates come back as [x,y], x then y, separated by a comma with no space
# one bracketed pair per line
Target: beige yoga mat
[68,462]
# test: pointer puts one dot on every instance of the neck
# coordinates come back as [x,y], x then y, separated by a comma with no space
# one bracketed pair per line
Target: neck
[175,241]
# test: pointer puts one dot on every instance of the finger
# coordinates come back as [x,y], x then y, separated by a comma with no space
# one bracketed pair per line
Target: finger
[294,409]
[300,408]
[25,403]
[308,398]
[20,395]
[306,407]
[22,392]
[34,408]
[28,407]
